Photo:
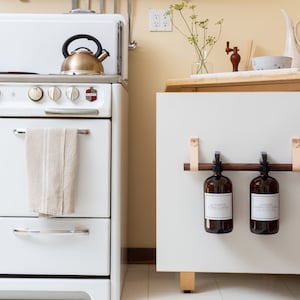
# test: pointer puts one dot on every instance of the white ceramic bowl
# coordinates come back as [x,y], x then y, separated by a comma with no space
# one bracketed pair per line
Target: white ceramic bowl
[271,62]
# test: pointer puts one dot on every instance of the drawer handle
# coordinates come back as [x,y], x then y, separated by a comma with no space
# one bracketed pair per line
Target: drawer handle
[23,131]
[76,232]
[72,111]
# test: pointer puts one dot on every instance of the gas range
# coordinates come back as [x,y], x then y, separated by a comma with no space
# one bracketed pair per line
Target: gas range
[81,250]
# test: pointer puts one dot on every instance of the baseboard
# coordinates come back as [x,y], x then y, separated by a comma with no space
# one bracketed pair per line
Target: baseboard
[141,255]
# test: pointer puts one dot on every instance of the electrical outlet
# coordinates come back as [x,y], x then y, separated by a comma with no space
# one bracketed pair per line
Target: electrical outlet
[159,20]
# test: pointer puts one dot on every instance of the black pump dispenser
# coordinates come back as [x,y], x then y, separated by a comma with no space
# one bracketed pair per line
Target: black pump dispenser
[217,164]
[264,201]
[264,164]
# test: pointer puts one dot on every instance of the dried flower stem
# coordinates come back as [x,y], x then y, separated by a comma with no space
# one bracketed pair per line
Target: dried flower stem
[204,44]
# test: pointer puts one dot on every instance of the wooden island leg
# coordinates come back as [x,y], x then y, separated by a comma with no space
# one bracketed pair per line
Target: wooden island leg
[187,281]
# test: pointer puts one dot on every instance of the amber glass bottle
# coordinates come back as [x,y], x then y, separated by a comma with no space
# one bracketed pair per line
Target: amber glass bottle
[264,201]
[218,200]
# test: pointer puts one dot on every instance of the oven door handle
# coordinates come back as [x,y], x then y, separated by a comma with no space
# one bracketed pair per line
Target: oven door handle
[71,111]
[18,131]
[60,232]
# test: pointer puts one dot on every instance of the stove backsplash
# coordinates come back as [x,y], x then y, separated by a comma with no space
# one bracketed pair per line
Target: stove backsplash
[33,42]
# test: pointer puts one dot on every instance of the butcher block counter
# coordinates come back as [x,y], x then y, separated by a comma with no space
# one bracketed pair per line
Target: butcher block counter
[259,81]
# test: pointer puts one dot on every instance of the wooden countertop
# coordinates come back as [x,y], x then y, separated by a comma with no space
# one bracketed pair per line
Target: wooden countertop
[269,80]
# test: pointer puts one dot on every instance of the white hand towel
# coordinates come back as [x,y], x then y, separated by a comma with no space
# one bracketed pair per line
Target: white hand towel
[52,162]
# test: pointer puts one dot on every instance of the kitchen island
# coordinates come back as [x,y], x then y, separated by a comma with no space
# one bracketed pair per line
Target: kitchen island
[240,116]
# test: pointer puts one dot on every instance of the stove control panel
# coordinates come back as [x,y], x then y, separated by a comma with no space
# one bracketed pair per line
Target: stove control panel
[36,93]
[36,99]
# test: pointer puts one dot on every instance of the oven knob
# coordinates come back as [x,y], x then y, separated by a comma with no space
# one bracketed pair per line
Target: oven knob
[72,93]
[91,94]
[54,93]
[35,93]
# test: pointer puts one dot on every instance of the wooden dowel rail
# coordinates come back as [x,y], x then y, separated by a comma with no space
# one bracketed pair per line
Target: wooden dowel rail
[240,167]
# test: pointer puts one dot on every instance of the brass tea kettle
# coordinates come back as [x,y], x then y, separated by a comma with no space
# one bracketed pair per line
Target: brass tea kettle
[82,61]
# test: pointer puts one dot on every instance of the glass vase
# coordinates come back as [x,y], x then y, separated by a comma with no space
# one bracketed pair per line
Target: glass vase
[201,67]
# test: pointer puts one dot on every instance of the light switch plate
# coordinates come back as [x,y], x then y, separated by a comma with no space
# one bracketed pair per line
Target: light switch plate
[159,20]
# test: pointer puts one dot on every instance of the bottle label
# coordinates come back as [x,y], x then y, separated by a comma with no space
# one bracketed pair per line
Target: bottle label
[218,206]
[264,207]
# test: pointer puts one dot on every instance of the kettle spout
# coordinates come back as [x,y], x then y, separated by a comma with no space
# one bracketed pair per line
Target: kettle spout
[291,43]
[103,55]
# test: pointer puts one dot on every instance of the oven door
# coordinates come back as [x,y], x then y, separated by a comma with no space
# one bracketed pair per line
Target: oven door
[93,190]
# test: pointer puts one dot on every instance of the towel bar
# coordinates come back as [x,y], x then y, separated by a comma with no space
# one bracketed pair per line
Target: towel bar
[23,131]
[239,167]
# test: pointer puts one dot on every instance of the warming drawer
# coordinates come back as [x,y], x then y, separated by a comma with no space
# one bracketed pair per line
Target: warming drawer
[60,246]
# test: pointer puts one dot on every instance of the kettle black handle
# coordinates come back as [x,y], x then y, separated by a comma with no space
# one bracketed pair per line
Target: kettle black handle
[81,36]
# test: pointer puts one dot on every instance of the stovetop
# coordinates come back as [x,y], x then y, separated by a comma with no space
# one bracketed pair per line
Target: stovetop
[38,39]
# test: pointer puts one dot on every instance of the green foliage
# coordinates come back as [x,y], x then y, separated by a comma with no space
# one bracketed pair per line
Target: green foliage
[195,30]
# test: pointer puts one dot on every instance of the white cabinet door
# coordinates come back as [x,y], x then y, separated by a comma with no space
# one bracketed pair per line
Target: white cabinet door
[240,126]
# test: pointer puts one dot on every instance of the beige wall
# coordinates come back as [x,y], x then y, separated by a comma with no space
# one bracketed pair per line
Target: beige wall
[160,56]
[164,55]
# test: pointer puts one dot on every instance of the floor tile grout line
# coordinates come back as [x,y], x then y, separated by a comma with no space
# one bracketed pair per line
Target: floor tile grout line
[218,286]
[288,288]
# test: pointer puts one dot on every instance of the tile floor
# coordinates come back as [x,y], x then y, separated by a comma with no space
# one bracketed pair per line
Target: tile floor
[144,283]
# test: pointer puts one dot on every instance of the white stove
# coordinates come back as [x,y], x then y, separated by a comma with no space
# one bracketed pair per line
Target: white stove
[79,255]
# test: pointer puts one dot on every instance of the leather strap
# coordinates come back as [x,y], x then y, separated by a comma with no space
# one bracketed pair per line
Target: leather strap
[194,153]
[296,154]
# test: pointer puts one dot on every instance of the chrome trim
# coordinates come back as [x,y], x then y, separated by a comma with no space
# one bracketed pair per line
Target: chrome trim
[72,111]
[102,7]
[75,4]
[116,10]
[76,232]
[59,78]
[131,43]
[120,45]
